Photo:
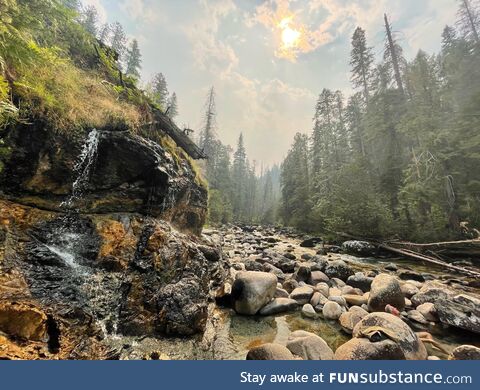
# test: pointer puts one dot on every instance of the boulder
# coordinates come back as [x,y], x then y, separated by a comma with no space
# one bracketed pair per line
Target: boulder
[273,270]
[409,290]
[270,352]
[290,285]
[355,300]
[391,267]
[281,293]
[23,320]
[428,311]
[458,315]
[352,317]
[279,305]
[253,290]
[302,294]
[339,299]
[332,310]
[323,289]
[309,346]
[380,326]
[410,275]
[311,242]
[431,292]
[320,263]
[302,274]
[416,316]
[317,277]
[385,291]
[318,299]
[308,311]
[359,280]
[465,352]
[364,349]
[359,248]
[338,269]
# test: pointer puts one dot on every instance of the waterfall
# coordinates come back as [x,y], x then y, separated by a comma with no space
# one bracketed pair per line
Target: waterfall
[83,168]
[67,240]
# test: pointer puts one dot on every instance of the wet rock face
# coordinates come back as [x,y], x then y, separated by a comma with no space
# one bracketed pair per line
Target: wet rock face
[96,275]
[130,174]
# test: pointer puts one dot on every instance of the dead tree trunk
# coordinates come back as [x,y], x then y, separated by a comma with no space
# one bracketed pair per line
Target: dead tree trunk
[394,56]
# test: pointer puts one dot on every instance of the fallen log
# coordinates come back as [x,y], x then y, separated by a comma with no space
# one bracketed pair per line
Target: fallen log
[464,248]
[420,256]
[429,259]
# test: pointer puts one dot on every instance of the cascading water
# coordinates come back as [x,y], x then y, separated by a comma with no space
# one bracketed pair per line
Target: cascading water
[67,240]
[83,169]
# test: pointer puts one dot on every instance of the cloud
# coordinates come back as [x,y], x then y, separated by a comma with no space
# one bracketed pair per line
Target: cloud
[209,51]
[319,22]
[102,12]
[268,112]
[140,10]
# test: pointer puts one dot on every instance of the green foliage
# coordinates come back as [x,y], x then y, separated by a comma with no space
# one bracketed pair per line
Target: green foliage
[409,166]
[219,207]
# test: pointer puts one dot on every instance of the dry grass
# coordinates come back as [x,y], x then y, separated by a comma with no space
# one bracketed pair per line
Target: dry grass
[68,97]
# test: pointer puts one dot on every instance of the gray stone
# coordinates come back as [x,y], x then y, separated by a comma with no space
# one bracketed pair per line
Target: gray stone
[332,310]
[428,311]
[360,248]
[386,326]
[359,280]
[302,294]
[385,291]
[465,352]
[318,299]
[253,290]
[338,269]
[352,317]
[279,305]
[308,311]
[364,349]
[317,277]
[309,346]
[270,352]
[458,315]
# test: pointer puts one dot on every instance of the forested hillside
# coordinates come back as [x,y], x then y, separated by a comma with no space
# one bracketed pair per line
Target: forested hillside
[400,157]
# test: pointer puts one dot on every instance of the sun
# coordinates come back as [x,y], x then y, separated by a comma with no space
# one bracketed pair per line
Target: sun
[290,35]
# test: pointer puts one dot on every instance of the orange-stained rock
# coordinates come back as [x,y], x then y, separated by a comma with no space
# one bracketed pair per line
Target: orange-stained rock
[117,244]
[23,320]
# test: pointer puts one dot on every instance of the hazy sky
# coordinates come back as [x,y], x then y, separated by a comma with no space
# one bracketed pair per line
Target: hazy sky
[268,60]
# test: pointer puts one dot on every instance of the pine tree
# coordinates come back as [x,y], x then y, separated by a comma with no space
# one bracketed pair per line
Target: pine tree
[295,184]
[239,178]
[173,106]
[89,19]
[469,19]
[159,90]
[118,41]
[361,61]
[105,33]
[134,60]
[354,117]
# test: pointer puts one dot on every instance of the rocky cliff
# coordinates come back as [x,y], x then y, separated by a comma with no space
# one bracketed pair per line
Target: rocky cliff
[122,254]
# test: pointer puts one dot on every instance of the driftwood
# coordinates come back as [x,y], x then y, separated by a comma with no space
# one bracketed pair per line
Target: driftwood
[429,259]
[465,248]
[416,251]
